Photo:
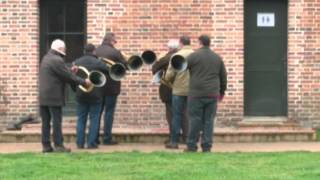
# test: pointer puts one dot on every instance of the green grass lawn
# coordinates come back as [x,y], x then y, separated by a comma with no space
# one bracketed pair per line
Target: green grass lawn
[160,165]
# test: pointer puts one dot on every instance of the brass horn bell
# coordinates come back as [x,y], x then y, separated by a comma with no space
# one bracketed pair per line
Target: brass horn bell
[178,62]
[148,57]
[117,71]
[135,62]
[97,78]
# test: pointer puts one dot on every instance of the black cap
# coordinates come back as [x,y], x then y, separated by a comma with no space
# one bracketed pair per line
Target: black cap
[89,48]
[185,40]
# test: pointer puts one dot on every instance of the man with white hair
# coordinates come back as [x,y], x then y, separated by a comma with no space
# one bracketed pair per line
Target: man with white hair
[54,74]
[165,88]
[180,89]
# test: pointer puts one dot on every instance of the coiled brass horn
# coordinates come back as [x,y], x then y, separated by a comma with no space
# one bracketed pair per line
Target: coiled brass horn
[148,57]
[97,78]
[117,71]
[178,62]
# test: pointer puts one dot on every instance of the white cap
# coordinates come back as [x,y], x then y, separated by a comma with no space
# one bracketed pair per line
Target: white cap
[173,44]
[59,46]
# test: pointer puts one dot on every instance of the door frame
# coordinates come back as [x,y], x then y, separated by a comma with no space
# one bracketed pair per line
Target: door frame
[44,45]
[285,71]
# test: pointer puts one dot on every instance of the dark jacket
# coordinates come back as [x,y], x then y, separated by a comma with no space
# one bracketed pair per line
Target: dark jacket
[112,88]
[165,90]
[90,62]
[208,75]
[54,74]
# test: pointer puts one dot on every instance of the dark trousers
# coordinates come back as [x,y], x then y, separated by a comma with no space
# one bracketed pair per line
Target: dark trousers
[110,103]
[179,118]
[169,116]
[103,107]
[201,113]
[46,113]
[83,110]
[99,122]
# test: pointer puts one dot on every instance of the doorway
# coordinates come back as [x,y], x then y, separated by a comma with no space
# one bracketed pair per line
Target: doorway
[66,20]
[265,39]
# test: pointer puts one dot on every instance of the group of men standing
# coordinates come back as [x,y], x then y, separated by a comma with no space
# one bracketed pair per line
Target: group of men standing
[93,104]
[54,75]
[190,96]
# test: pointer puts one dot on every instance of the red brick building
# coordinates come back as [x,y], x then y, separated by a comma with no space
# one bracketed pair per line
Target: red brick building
[271,50]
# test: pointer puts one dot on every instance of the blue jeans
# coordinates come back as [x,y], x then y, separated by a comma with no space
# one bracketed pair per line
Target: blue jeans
[179,120]
[110,106]
[201,113]
[83,110]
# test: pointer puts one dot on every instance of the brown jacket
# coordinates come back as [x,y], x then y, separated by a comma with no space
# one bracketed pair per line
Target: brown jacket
[179,80]
[165,90]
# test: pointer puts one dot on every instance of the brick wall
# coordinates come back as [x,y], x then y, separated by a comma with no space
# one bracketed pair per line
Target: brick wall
[149,24]
[304,62]
[18,59]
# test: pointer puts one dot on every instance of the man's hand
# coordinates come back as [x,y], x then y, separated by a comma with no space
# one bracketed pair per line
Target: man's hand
[220,97]
[88,83]
[74,69]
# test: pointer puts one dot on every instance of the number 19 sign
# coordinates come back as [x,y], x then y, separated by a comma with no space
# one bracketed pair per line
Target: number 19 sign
[265,20]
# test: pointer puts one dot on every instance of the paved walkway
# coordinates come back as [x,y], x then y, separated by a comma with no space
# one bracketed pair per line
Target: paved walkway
[218,147]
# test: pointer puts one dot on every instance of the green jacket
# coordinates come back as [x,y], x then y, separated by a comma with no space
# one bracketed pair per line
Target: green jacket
[179,80]
[208,75]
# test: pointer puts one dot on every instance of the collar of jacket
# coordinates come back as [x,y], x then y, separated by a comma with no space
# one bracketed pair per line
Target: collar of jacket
[205,47]
[186,47]
[91,55]
[172,51]
[106,43]
[51,51]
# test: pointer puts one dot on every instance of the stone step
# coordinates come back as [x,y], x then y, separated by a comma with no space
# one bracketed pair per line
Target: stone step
[247,131]
[269,125]
[27,127]
[158,135]
[241,125]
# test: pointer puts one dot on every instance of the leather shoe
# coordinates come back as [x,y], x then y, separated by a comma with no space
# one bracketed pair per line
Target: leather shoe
[189,150]
[112,142]
[47,149]
[92,147]
[206,150]
[62,149]
[172,146]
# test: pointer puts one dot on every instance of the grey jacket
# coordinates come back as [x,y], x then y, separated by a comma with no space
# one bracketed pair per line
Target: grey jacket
[54,74]
[208,76]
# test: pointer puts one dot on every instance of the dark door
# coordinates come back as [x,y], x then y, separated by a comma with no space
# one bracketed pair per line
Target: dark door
[265,57]
[66,20]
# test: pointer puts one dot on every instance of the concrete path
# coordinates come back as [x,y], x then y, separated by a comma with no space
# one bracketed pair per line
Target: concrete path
[218,147]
